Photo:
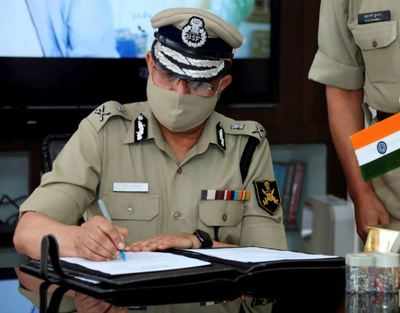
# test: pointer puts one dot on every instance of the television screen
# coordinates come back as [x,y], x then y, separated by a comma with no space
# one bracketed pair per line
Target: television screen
[75,54]
[115,28]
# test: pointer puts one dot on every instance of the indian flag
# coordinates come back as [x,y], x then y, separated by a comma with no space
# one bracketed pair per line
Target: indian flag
[378,147]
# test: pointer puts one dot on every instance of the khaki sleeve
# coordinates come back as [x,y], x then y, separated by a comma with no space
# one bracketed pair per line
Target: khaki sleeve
[338,61]
[260,227]
[66,191]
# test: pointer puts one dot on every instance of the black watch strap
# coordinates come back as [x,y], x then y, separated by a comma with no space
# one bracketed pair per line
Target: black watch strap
[204,238]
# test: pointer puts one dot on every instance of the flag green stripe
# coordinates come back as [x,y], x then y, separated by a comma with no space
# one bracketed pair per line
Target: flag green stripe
[381,166]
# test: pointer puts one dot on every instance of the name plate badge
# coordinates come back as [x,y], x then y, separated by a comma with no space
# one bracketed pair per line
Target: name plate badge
[374,17]
[131,187]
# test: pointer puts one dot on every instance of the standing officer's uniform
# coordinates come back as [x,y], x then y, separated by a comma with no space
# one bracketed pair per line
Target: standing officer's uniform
[359,48]
[224,186]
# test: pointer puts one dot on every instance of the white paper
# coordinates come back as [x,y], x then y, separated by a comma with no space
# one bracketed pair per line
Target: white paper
[254,254]
[139,262]
[130,187]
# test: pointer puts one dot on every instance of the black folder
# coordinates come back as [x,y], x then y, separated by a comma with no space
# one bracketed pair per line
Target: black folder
[219,281]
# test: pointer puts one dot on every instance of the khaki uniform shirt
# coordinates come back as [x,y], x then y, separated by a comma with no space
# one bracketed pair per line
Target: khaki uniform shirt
[123,144]
[353,55]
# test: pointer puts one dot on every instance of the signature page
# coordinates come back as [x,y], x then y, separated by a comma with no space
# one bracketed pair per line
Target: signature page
[139,262]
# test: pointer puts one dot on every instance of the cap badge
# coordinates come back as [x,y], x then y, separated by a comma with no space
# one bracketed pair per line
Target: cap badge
[193,33]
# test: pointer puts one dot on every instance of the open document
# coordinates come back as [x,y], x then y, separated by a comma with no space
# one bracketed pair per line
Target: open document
[254,254]
[139,262]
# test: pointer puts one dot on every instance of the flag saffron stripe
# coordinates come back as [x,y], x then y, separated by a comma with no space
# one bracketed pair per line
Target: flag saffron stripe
[376,131]
[370,152]
[381,165]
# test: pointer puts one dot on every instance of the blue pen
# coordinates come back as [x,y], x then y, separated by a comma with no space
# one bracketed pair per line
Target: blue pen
[106,214]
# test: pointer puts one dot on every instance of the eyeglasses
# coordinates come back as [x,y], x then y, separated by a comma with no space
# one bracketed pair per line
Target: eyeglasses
[169,79]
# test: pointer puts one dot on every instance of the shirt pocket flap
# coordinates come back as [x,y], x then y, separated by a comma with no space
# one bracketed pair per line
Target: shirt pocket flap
[140,207]
[220,213]
[375,35]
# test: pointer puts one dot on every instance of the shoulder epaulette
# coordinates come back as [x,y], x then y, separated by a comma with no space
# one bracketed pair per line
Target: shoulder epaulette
[246,128]
[102,114]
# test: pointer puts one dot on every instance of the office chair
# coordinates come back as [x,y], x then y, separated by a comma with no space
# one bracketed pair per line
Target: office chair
[51,146]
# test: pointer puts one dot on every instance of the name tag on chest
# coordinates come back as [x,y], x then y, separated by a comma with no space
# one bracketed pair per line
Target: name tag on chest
[374,17]
[130,187]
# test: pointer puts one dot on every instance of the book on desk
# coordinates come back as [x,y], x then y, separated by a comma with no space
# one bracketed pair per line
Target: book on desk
[201,275]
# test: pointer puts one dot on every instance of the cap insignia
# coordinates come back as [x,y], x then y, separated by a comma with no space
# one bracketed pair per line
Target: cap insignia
[194,34]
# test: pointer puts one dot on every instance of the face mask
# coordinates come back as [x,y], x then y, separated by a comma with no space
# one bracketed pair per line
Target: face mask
[179,113]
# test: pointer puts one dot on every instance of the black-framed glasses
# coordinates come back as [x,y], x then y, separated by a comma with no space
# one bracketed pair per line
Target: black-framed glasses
[169,79]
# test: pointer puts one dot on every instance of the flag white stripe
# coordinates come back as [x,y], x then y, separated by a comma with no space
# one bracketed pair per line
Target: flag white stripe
[370,152]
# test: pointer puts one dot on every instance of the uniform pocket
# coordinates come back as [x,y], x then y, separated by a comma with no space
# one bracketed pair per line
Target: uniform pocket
[220,213]
[140,213]
[223,218]
[380,53]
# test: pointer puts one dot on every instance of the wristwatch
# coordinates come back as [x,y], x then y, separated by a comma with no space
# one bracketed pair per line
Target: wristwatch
[204,238]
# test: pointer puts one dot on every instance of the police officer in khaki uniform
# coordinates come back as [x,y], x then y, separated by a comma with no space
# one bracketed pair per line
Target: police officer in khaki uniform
[172,171]
[359,62]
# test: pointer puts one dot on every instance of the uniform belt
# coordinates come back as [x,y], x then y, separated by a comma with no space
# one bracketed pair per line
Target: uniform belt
[383,115]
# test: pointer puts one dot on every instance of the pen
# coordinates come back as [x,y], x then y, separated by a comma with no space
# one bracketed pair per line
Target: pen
[106,214]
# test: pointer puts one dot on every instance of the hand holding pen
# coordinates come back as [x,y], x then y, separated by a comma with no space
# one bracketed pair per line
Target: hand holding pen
[120,245]
[99,240]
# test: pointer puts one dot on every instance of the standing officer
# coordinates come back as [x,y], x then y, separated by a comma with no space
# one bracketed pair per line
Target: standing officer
[172,171]
[359,62]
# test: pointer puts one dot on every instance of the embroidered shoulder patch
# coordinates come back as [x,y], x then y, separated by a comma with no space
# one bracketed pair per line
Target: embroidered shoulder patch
[267,195]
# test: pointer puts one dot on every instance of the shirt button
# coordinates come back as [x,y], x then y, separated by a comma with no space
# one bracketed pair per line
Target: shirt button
[179,171]
[130,211]
[374,43]
[177,215]
[224,217]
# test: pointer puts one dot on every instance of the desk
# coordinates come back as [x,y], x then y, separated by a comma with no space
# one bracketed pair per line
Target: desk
[88,304]
[294,300]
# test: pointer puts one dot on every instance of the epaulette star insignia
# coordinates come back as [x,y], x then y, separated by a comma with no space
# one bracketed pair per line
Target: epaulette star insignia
[101,112]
